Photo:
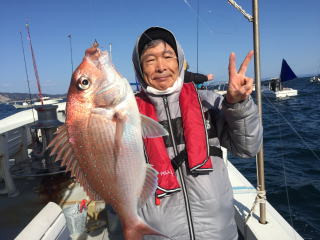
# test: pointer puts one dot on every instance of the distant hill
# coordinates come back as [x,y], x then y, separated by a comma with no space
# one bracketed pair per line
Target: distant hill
[11,97]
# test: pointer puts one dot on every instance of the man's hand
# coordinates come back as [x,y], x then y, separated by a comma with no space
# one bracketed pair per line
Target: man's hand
[210,76]
[240,86]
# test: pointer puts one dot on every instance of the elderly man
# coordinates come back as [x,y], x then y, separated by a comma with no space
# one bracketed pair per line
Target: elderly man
[194,198]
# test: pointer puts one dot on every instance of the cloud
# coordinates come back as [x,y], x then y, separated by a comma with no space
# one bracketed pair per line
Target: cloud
[5,85]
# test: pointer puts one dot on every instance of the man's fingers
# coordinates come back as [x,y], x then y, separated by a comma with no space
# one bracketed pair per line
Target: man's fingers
[232,65]
[248,86]
[245,63]
[248,91]
[249,81]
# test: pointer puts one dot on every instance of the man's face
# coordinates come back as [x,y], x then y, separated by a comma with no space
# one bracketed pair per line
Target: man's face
[160,66]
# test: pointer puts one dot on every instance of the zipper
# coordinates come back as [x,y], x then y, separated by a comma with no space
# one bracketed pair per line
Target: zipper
[183,186]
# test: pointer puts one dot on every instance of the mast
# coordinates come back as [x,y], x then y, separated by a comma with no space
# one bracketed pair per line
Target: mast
[35,65]
[257,74]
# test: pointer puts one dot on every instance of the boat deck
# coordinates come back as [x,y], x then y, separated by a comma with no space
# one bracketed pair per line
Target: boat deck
[20,210]
[34,194]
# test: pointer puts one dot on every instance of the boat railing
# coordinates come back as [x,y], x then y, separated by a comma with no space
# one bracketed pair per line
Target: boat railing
[15,142]
[13,146]
[50,223]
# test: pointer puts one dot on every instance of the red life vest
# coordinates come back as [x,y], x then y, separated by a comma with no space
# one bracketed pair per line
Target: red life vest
[195,137]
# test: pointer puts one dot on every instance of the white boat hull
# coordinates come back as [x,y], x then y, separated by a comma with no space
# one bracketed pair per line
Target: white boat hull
[244,197]
[284,93]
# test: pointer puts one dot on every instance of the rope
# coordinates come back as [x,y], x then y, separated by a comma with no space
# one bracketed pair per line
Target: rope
[204,22]
[239,8]
[260,198]
[293,129]
[285,177]
[283,159]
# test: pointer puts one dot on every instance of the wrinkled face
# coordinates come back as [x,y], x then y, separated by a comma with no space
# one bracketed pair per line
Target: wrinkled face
[160,66]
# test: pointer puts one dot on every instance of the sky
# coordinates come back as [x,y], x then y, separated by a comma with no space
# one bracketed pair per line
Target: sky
[289,29]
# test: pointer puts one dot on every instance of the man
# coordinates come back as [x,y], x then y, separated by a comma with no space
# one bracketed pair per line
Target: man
[197,78]
[194,198]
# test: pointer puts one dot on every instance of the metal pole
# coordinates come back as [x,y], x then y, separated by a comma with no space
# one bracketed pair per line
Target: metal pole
[260,155]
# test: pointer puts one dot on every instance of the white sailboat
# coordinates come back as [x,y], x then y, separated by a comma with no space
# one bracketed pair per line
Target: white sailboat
[276,90]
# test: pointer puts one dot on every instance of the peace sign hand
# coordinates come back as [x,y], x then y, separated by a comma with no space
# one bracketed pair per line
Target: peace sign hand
[240,86]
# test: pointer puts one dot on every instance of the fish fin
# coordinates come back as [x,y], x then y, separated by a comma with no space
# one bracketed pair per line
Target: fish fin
[62,148]
[59,144]
[120,118]
[149,186]
[151,128]
[59,134]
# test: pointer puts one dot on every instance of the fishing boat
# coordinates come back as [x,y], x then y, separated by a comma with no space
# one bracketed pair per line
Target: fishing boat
[276,89]
[28,103]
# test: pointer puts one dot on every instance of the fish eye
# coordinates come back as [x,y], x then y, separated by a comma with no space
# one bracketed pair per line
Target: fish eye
[83,83]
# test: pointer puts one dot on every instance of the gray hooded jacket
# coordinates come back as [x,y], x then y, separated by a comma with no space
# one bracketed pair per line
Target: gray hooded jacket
[203,209]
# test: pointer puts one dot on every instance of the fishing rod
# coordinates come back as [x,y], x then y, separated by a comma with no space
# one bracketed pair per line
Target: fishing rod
[261,199]
[34,65]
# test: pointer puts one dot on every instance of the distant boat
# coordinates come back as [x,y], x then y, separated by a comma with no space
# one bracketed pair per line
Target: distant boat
[275,85]
[28,104]
[315,79]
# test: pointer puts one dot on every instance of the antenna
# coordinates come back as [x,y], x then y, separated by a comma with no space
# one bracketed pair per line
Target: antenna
[35,65]
[70,43]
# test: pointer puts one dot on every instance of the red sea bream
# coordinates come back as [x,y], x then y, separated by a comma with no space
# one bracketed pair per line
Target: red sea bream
[101,141]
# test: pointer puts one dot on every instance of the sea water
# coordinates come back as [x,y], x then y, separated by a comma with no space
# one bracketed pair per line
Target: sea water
[292,157]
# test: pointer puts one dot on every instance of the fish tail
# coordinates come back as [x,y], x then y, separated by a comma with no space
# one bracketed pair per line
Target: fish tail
[138,230]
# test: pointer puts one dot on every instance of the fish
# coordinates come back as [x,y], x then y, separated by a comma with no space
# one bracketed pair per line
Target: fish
[101,142]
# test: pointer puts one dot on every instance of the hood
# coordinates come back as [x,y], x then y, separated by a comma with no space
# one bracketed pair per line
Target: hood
[150,34]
